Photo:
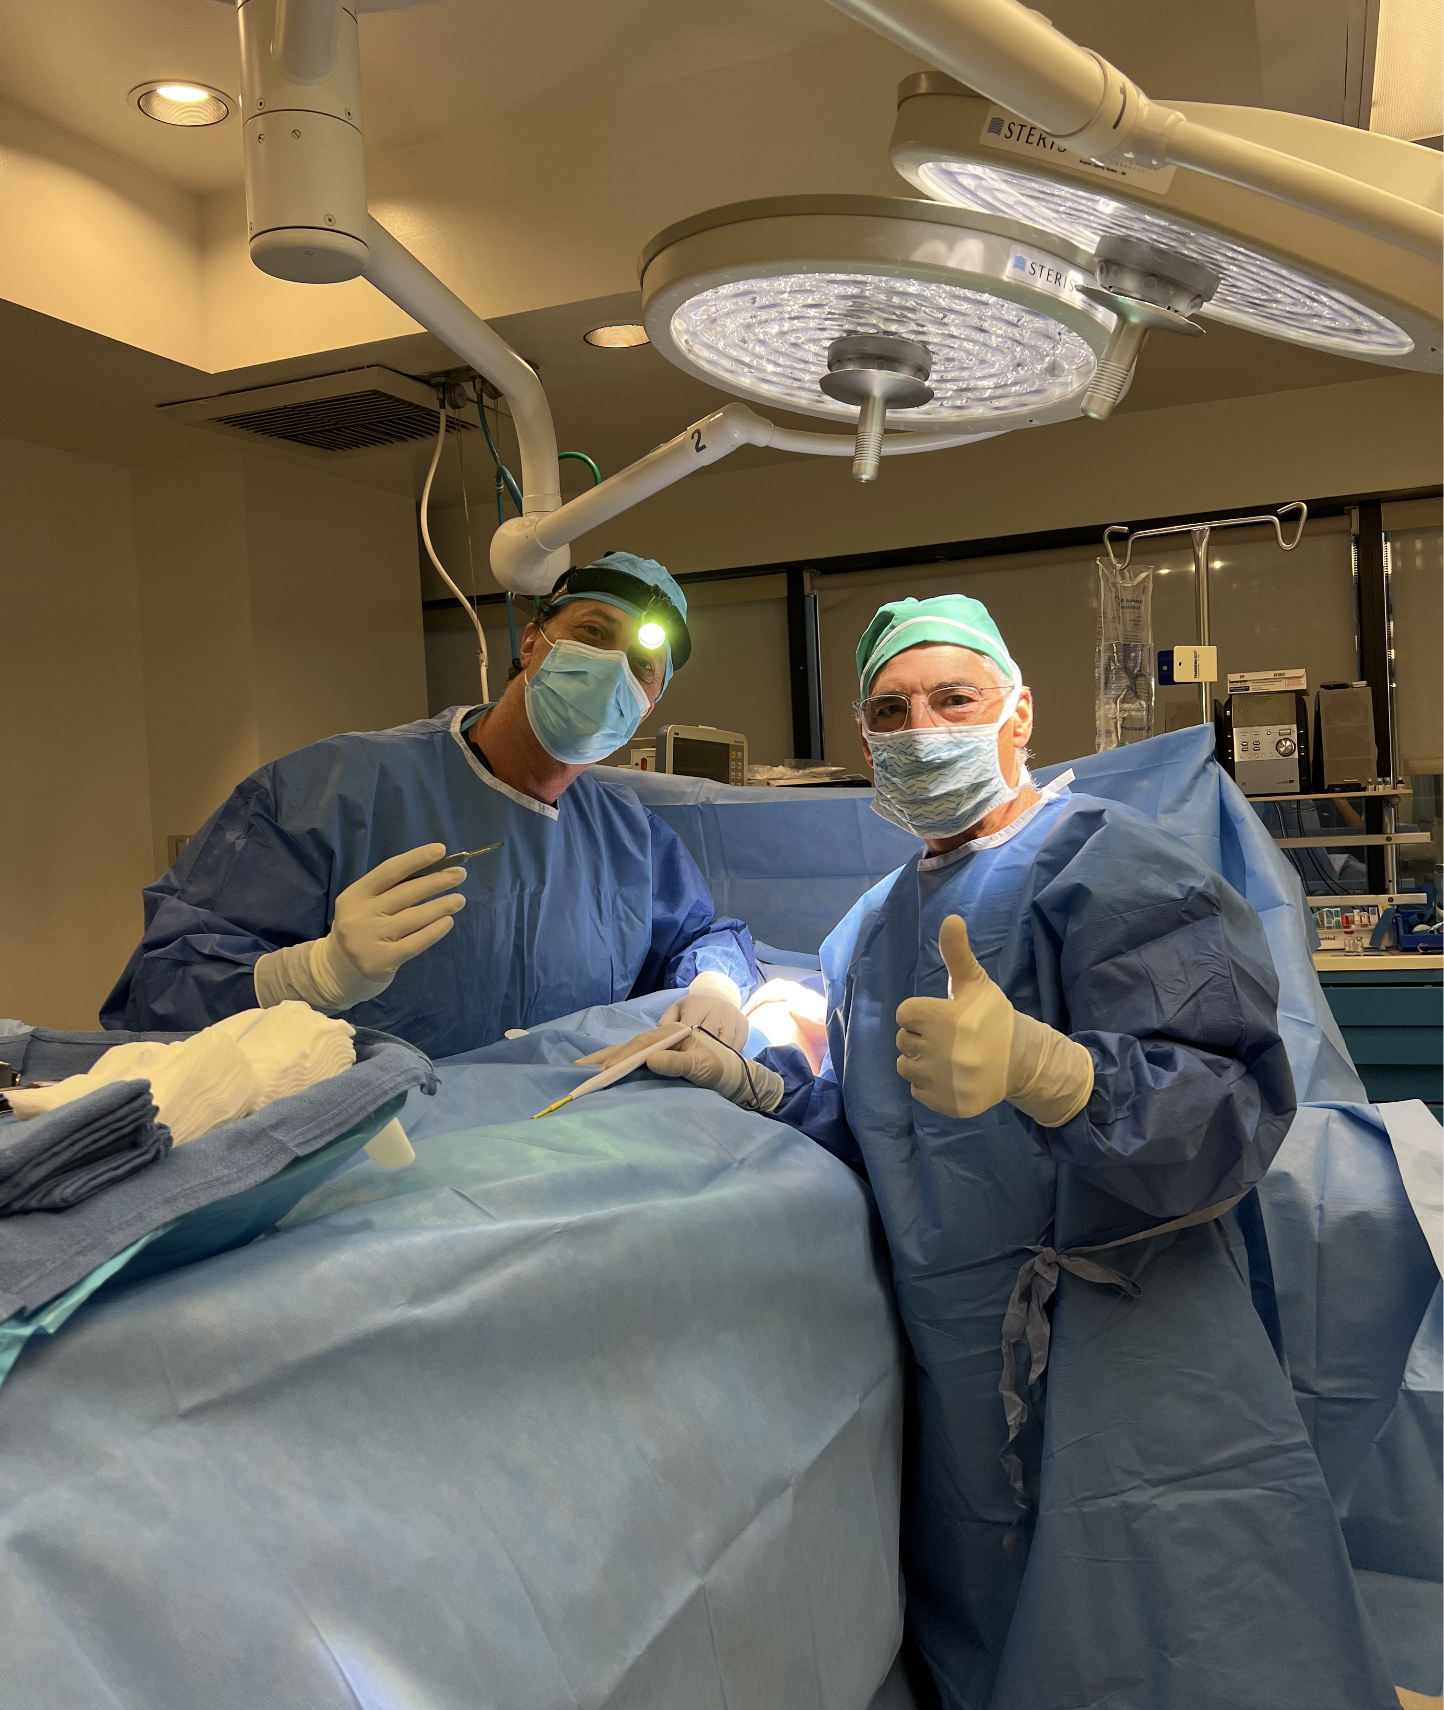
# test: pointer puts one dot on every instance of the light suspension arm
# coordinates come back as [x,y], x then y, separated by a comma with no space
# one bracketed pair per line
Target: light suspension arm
[1347,201]
[1016,58]
[306,204]
[304,43]
[397,274]
[530,553]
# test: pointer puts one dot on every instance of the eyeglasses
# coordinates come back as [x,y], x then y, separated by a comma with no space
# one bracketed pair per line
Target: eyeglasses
[949,703]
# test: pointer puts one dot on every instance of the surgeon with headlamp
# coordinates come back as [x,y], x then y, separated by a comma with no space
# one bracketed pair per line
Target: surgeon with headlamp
[1054,1053]
[311,881]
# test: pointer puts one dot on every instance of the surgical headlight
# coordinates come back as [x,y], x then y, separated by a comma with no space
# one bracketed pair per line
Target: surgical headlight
[1282,273]
[661,624]
[774,299]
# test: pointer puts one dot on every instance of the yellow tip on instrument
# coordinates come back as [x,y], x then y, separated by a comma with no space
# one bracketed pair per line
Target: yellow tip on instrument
[619,1070]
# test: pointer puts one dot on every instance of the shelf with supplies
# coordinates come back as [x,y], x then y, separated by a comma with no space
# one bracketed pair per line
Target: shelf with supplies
[1375,829]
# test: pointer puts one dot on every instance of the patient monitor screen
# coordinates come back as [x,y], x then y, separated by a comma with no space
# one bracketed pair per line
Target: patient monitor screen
[702,759]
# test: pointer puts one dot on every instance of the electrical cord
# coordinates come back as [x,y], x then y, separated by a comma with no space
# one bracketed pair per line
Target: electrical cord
[746,1067]
[439,566]
[466,513]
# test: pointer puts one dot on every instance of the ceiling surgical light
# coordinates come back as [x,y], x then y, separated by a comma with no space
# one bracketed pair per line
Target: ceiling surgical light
[1282,272]
[186,104]
[795,301]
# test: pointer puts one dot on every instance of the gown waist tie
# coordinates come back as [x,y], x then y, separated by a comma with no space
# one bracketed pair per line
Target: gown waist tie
[1027,1313]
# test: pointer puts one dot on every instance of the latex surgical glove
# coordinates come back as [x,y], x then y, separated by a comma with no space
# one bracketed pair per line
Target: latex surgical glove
[381,922]
[971,1050]
[706,1006]
[706,1062]
[714,1004]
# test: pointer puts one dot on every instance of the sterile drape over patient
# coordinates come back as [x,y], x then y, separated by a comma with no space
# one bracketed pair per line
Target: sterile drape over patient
[587,902]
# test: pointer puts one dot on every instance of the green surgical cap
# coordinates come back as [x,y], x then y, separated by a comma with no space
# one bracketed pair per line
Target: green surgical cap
[951,619]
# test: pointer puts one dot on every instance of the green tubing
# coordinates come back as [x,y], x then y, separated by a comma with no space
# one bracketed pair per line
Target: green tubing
[582,457]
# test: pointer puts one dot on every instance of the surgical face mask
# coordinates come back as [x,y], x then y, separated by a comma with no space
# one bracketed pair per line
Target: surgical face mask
[937,782]
[583,702]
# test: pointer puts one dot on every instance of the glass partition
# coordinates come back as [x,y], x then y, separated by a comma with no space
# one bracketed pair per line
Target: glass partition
[1268,609]
[1415,568]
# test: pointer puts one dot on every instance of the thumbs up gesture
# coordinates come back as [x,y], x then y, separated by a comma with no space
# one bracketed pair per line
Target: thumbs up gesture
[968,1051]
[955,1050]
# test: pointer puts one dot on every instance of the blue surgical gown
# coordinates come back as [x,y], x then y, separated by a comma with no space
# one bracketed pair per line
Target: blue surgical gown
[1181,1552]
[588,902]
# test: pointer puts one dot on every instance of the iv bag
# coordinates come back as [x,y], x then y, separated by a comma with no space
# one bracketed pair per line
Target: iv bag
[1126,685]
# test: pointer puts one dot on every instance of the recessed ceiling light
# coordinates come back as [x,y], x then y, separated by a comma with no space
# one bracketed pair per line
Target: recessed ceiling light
[626,335]
[171,102]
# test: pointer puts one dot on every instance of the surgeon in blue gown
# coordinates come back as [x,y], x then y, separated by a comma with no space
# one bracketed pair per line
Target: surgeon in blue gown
[310,882]
[1053,1052]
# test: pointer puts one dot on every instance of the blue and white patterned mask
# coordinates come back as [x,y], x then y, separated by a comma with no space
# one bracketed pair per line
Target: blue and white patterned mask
[938,781]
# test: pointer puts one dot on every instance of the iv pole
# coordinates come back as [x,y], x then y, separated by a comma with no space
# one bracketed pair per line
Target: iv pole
[1199,534]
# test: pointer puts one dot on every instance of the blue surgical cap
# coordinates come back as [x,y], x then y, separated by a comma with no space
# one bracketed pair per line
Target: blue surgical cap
[646,570]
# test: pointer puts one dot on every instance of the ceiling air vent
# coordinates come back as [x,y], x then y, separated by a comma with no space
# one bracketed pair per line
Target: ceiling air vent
[334,415]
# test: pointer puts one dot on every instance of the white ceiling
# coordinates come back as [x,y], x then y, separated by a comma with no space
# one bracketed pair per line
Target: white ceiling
[451,66]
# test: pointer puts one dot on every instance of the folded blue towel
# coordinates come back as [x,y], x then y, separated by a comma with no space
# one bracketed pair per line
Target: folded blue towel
[57,1160]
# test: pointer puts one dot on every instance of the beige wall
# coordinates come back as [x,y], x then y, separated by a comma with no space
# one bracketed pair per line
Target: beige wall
[1362,436]
[164,633]
[334,615]
[75,843]
[93,240]
[280,606]
[1369,435]
[198,659]
[737,677]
